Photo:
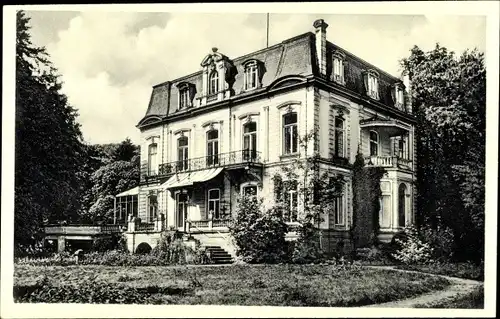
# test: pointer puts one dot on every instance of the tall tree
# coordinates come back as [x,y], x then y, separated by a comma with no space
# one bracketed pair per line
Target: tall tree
[48,143]
[448,94]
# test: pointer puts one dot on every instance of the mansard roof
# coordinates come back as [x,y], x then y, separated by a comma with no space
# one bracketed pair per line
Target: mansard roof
[292,58]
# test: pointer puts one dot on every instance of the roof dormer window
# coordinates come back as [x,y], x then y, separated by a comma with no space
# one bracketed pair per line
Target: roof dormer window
[371,84]
[398,95]
[253,74]
[186,94]
[338,67]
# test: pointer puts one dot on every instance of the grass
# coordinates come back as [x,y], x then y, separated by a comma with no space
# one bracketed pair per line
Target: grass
[472,300]
[272,285]
[460,270]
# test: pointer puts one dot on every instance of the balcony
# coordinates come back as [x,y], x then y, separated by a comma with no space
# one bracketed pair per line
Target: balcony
[235,159]
[388,161]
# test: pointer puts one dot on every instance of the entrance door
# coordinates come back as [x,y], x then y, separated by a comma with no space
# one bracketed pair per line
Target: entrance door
[181,207]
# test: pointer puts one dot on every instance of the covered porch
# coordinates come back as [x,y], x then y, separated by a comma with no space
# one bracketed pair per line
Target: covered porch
[386,143]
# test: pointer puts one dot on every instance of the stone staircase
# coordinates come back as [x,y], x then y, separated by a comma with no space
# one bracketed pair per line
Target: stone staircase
[218,255]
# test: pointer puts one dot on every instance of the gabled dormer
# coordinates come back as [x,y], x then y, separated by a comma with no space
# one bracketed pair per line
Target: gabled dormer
[217,77]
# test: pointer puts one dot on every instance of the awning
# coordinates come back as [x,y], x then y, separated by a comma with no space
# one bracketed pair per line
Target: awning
[130,192]
[188,179]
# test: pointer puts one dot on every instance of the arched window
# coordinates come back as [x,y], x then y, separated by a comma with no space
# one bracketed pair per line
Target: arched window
[152,165]
[212,147]
[213,82]
[290,133]
[250,141]
[182,153]
[402,205]
[373,143]
[339,137]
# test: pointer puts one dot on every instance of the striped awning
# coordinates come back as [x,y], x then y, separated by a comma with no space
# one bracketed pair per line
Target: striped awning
[188,179]
[130,192]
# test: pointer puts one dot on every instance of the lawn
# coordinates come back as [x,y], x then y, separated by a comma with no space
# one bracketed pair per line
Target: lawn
[460,270]
[272,285]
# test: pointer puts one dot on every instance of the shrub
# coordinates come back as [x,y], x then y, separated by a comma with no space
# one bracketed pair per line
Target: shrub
[441,240]
[259,237]
[413,250]
[113,242]
[307,247]
[86,292]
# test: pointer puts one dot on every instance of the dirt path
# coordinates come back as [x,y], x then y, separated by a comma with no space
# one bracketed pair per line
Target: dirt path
[458,287]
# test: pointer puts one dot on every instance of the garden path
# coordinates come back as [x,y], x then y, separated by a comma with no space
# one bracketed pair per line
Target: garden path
[458,287]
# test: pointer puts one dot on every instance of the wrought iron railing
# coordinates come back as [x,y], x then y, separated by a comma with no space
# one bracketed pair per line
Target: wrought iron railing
[218,160]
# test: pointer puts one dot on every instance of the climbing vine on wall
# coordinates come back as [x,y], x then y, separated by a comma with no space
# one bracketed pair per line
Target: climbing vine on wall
[366,202]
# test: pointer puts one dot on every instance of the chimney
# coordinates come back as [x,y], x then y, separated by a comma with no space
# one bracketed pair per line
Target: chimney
[407,84]
[320,25]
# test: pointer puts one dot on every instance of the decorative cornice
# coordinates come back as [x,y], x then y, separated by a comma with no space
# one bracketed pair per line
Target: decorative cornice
[248,114]
[182,130]
[282,105]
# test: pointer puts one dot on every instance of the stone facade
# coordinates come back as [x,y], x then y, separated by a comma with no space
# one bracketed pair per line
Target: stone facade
[297,76]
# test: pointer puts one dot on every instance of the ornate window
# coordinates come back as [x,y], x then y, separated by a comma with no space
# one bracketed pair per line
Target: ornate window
[371,84]
[290,133]
[340,137]
[338,67]
[212,147]
[182,153]
[152,156]
[214,203]
[374,142]
[213,82]
[250,141]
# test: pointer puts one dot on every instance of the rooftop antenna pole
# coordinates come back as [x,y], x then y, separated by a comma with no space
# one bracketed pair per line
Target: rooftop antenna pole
[267,27]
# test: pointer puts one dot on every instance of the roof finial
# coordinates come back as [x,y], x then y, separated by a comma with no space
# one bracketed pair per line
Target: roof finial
[214,49]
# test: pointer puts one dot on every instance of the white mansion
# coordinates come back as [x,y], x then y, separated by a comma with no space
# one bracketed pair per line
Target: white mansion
[212,135]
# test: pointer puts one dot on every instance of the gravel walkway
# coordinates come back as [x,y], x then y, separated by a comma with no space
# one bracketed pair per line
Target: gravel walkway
[458,287]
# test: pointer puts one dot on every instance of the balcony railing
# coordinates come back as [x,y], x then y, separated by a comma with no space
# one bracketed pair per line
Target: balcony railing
[219,160]
[388,161]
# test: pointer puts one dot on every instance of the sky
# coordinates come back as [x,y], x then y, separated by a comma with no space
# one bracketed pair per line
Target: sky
[109,61]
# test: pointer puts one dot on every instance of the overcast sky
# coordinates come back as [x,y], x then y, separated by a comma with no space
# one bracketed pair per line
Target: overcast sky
[110,60]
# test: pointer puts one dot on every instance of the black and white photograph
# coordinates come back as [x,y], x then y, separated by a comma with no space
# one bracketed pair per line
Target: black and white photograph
[244,160]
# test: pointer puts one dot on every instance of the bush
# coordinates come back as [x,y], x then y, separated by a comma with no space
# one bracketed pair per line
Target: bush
[86,292]
[413,250]
[114,242]
[373,255]
[259,237]
[441,240]
[307,248]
